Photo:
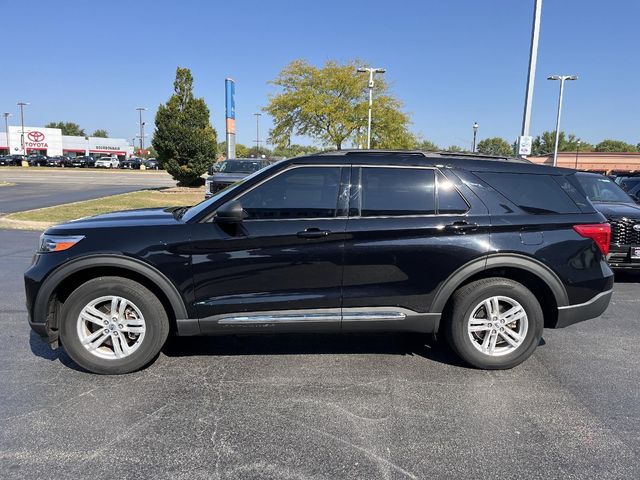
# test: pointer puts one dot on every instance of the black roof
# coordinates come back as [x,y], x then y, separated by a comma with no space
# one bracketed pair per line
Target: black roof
[465,161]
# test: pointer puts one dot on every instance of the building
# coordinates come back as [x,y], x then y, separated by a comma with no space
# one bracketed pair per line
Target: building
[51,142]
[602,162]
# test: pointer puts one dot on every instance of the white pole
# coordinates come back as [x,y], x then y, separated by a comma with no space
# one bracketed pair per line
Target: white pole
[533,57]
[555,148]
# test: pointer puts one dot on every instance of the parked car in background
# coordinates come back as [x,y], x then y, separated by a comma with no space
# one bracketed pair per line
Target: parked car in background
[623,214]
[485,251]
[12,160]
[82,162]
[152,164]
[627,183]
[37,160]
[57,161]
[230,172]
[107,162]
[132,163]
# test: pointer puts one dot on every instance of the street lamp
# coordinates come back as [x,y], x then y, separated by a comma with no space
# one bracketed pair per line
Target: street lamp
[257,133]
[562,79]
[475,132]
[22,105]
[371,72]
[140,110]
[6,129]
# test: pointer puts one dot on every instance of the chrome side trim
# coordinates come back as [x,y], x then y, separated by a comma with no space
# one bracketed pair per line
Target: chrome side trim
[292,318]
[589,302]
[372,316]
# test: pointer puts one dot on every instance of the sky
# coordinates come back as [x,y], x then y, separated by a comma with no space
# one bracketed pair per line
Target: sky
[451,63]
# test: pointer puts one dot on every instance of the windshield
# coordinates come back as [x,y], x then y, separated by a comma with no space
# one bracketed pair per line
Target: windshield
[599,188]
[240,166]
[196,209]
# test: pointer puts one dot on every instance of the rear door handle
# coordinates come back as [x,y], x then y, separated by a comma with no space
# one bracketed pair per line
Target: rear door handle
[314,233]
[461,227]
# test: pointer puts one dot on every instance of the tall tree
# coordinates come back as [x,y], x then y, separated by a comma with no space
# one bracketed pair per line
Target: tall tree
[294,150]
[495,146]
[544,144]
[68,128]
[100,133]
[184,138]
[329,104]
[427,146]
[615,146]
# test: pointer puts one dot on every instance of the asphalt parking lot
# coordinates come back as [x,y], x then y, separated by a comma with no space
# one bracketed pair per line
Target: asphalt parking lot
[43,187]
[321,406]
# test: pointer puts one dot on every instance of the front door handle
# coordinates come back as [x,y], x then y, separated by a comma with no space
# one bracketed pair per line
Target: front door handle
[461,227]
[314,233]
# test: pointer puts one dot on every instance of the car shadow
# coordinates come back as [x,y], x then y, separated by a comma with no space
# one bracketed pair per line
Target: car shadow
[313,344]
[41,348]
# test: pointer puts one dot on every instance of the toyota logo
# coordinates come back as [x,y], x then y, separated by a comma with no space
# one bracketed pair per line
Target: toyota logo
[36,136]
[636,227]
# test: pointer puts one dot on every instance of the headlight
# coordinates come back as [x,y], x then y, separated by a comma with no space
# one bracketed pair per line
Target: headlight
[57,243]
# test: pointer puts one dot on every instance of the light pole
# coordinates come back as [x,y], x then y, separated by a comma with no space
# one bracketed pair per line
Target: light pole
[140,110]
[533,57]
[257,133]
[6,129]
[562,79]
[371,72]
[577,151]
[475,132]
[22,105]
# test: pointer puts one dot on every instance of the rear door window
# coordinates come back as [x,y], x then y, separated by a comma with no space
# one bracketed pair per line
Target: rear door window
[397,192]
[536,194]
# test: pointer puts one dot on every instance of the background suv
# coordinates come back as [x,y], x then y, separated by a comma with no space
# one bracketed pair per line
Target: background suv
[484,251]
[623,214]
[228,172]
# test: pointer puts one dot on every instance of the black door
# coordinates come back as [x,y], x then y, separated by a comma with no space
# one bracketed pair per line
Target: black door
[409,229]
[282,268]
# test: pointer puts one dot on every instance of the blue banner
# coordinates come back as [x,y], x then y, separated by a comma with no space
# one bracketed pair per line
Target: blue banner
[230,100]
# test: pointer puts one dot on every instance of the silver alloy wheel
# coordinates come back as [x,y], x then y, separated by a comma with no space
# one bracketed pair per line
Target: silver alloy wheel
[111,327]
[497,326]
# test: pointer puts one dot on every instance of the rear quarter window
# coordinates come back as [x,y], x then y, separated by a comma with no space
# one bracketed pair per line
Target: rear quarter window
[536,194]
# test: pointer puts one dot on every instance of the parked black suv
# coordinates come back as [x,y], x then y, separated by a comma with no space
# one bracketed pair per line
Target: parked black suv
[486,251]
[622,213]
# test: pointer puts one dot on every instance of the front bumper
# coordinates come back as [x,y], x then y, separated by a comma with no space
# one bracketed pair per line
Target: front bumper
[593,308]
[215,187]
[620,257]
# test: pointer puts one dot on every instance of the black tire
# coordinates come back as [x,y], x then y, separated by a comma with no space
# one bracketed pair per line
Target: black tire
[155,318]
[465,301]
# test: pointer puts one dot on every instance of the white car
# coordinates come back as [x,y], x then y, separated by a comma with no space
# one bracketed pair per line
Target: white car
[107,162]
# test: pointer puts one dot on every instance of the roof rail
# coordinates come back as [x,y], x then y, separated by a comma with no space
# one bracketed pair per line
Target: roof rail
[440,154]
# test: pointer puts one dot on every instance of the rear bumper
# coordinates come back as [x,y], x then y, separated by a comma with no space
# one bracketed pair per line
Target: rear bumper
[620,257]
[584,311]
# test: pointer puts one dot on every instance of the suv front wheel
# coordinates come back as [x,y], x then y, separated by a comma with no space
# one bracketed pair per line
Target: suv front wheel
[494,323]
[113,325]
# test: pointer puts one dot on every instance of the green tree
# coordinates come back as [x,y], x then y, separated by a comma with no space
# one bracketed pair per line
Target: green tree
[329,104]
[294,150]
[184,138]
[255,152]
[495,146]
[427,146]
[68,128]
[100,133]
[455,148]
[544,144]
[615,146]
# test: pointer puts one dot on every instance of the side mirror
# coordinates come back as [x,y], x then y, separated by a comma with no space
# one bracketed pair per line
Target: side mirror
[230,212]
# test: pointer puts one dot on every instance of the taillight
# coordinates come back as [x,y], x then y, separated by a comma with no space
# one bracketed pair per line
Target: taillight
[598,232]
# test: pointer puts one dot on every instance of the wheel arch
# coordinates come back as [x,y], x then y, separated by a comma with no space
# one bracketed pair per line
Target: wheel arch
[66,278]
[532,273]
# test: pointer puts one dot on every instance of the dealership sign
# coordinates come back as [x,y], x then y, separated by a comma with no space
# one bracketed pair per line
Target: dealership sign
[35,139]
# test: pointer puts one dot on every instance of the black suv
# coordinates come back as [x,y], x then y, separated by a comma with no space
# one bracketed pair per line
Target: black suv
[485,251]
[622,213]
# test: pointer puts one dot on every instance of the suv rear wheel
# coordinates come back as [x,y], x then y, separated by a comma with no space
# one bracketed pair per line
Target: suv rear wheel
[113,325]
[495,323]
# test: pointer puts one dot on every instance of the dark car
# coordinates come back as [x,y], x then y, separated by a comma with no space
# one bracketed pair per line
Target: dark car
[12,160]
[81,162]
[486,251]
[627,183]
[622,212]
[132,163]
[228,172]
[151,164]
[37,160]
[57,161]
